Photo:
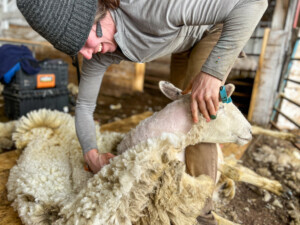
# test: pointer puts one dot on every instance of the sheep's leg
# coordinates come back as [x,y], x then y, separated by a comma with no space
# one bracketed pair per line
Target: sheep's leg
[221,221]
[240,173]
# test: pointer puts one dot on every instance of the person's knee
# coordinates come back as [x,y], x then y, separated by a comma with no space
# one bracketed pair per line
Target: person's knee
[202,159]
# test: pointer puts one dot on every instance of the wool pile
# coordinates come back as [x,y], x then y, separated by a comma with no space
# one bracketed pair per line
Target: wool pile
[6,130]
[146,184]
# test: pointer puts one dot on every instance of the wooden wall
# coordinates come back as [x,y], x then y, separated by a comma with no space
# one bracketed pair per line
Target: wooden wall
[277,50]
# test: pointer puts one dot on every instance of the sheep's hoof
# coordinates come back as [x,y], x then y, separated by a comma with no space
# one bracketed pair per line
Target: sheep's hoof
[229,189]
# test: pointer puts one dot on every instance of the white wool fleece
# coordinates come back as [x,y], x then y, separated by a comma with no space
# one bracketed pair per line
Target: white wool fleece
[49,185]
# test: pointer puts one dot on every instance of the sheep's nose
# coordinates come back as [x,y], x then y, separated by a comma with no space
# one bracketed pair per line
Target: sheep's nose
[250,130]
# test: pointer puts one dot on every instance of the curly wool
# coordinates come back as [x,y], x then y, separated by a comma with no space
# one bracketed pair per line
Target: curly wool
[144,185]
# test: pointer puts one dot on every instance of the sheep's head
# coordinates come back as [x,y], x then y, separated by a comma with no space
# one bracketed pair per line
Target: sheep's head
[229,126]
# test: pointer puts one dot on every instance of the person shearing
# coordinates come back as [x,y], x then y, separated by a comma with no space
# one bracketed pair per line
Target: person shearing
[204,37]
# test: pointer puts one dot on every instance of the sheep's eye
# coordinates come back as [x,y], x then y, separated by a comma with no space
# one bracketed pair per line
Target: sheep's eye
[221,107]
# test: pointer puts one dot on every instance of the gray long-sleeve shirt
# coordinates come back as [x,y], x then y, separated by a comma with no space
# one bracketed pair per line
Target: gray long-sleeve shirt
[149,29]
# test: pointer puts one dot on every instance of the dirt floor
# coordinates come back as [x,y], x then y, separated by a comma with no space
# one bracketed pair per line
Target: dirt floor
[110,109]
[269,157]
[275,159]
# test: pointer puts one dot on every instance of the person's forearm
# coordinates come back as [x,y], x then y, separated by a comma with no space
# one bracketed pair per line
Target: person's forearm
[85,127]
[237,29]
[90,81]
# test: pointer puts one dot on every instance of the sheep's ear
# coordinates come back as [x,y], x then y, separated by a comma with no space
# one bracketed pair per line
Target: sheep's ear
[169,90]
[229,90]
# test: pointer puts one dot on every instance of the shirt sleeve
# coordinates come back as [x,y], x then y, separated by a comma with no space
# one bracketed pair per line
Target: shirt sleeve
[90,81]
[237,30]
[239,18]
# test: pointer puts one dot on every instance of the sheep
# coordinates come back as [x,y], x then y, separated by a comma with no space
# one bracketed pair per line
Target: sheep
[145,184]
[176,119]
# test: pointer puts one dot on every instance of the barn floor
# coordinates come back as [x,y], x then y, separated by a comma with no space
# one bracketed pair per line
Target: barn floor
[275,159]
[267,156]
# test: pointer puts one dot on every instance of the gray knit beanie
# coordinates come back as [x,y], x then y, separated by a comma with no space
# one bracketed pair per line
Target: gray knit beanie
[66,24]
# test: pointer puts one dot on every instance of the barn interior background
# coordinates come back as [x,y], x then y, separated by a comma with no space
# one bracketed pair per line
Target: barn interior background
[267,92]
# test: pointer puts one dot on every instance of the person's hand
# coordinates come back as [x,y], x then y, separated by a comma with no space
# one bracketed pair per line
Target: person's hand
[96,161]
[205,96]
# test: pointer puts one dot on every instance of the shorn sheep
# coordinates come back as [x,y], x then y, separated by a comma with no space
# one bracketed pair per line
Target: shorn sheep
[145,184]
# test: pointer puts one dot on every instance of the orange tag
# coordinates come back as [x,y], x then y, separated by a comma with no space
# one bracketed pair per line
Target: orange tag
[45,80]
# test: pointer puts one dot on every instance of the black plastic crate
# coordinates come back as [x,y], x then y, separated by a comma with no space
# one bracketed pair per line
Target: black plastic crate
[59,68]
[18,103]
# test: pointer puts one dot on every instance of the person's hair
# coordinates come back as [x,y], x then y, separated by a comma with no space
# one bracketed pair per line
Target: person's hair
[103,6]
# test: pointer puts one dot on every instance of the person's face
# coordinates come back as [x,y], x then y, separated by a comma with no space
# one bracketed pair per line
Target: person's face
[106,43]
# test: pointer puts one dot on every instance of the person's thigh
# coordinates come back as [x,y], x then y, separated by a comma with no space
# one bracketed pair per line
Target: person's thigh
[178,68]
[200,53]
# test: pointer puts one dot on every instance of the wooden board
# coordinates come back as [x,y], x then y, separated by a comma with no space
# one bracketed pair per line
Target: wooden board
[7,160]
[267,78]
[126,77]
[138,83]
[279,15]
[258,73]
